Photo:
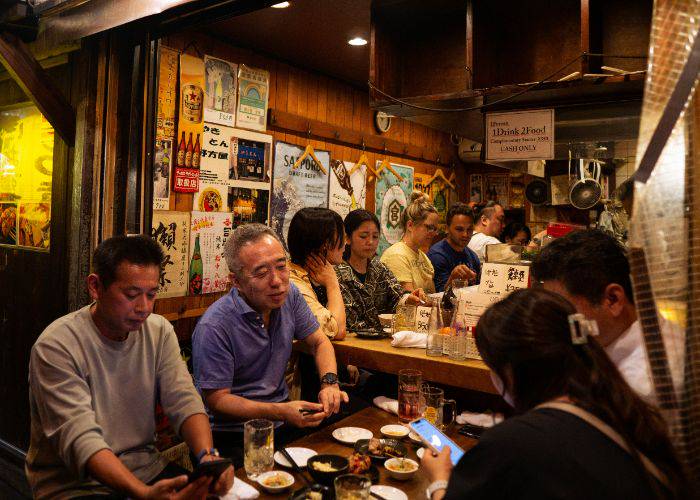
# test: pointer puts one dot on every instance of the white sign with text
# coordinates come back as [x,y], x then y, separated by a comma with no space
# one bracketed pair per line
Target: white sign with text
[520,135]
[501,279]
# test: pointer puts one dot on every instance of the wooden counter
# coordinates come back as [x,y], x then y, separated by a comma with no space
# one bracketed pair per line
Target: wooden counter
[379,355]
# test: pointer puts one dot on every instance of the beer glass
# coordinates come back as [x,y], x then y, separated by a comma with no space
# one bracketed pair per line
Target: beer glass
[409,395]
[433,407]
[258,447]
[404,318]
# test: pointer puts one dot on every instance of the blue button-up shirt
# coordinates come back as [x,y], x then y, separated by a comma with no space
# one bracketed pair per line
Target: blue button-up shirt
[445,259]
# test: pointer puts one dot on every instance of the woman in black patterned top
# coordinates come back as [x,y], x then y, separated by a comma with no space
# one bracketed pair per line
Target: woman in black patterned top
[368,287]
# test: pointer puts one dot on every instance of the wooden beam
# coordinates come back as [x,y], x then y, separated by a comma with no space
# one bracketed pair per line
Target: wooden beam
[585,34]
[38,86]
[469,45]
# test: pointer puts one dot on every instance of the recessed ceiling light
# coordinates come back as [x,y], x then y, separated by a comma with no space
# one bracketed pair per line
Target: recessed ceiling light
[281,5]
[357,41]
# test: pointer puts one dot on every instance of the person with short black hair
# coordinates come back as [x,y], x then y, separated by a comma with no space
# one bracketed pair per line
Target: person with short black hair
[590,269]
[451,257]
[95,376]
[487,228]
[516,233]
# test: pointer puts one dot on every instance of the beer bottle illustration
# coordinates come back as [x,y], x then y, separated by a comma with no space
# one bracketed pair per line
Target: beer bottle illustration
[196,270]
[192,97]
[196,153]
[188,152]
[181,151]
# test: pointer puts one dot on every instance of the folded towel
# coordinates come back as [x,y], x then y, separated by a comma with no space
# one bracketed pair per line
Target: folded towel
[387,404]
[407,338]
[241,491]
[479,419]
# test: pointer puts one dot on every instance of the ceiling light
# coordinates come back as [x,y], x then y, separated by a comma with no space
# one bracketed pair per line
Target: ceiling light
[357,41]
[281,5]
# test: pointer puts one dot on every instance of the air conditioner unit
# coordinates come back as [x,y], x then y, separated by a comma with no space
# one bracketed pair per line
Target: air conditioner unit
[469,151]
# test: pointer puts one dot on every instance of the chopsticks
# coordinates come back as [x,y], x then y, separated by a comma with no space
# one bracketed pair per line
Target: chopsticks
[295,466]
[378,497]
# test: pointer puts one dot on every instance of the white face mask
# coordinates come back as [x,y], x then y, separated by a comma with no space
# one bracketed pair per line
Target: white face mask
[498,384]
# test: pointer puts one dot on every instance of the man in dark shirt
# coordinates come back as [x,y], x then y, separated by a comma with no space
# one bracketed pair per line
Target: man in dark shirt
[451,257]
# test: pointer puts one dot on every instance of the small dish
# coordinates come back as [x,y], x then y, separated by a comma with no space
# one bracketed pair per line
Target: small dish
[395,431]
[420,452]
[388,492]
[401,468]
[325,468]
[275,481]
[350,435]
[390,448]
[385,319]
[299,455]
[304,493]
[414,437]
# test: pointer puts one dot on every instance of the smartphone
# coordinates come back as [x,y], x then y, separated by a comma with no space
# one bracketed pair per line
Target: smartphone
[472,431]
[434,439]
[213,469]
[309,411]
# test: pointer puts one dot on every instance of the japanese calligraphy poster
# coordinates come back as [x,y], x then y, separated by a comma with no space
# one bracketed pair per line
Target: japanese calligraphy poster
[253,86]
[294,189]
[208,271]
[212,193]
[347,191]
[501,279]
[391,196]
[190,125]
[167,93]
[221,81]
[172,232]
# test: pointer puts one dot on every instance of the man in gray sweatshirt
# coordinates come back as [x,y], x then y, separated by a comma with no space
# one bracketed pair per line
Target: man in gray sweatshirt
[95,377]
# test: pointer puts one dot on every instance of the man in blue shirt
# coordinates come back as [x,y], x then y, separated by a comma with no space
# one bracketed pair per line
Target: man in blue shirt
[242,344]
[451,257]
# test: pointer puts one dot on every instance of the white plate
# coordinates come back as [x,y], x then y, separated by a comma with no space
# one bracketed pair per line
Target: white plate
[300,456]
[349,435]
[275,489]
[388,492]
[420,452]
[394,431]
[414,437]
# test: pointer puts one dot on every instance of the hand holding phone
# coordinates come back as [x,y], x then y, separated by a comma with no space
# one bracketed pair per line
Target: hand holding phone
[309,411]
[212,468]
[435,439]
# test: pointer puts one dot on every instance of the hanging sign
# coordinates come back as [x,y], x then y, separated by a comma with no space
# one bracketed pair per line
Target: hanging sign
[167,93]
[220,91]
[253,87]
[391,196]
[172,232]
[501,279]
[347,191]
[520,135]
[190,125]
[208,271]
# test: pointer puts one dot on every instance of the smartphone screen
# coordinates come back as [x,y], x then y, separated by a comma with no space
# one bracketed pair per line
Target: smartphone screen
[432,436]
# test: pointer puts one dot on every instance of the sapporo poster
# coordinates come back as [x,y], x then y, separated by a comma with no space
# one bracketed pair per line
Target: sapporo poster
[221,81]
[208,272]
[165,127]
[253,88]
[294,189]
[212,194]
[172,232]
[347,191]
[190,125]
[391,196]
[26,168]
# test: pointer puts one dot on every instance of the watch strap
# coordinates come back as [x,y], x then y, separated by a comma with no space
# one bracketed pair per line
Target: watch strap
[434,486]
[205,452]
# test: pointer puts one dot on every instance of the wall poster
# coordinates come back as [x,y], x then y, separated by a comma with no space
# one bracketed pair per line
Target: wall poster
[253,87]
[221,81]
[476,188]
[212,193]
[208,272]
[292,190]
[172,232]
[165,127]
[497,187]
[190,125]
[436,189]
[347,191]
[391,196]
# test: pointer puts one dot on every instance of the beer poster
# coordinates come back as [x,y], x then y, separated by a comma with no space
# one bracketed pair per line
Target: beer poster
[253,88]
[346,191]
[172,232]
[221,81]
[296,188]
[391,197]
[208,272]
[190,125]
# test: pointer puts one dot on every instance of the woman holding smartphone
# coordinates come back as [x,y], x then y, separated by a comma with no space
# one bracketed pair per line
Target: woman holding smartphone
[579,430]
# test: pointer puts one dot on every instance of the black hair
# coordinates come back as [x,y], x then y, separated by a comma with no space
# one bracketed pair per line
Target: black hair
[585,262]
[526,340]
[512,229]
[353,221]
[140,250]
[312,231]
[487,210]
[459,208]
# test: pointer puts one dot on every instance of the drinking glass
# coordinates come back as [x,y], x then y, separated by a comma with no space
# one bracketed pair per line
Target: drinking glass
[435,336]
[434,403]
[409,395]
[404,318]
[258,447]
[352,487]
[459,286]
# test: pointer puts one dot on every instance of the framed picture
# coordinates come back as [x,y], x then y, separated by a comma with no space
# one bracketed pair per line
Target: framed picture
[476,188]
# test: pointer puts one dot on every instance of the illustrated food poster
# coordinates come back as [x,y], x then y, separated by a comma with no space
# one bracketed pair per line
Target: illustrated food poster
[208,271]
[294,189]
[26,167]
[172,232]
[212,193]
[190,125]
[347,191]
[253,89]
[165,127]
[221,81]
[391,196]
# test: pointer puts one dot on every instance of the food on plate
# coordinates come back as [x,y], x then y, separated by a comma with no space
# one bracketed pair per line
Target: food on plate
[324,467]
[359,463]
[313,495]
[276,481]
[379,448]
[402,465]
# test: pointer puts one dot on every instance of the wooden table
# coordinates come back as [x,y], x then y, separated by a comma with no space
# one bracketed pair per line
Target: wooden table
[373,419]
[378,354]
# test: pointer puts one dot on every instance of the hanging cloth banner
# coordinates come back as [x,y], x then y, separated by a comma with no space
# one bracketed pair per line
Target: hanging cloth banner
[391,196]
[190,125]
[165,127]
[347,191]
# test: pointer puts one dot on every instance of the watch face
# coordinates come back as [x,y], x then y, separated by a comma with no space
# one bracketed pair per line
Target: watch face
[382,121]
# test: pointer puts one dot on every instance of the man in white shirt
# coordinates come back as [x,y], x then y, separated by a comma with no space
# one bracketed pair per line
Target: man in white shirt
[487,228]
[590,269]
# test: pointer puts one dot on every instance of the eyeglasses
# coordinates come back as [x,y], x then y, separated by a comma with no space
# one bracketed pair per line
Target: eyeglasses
[431,227]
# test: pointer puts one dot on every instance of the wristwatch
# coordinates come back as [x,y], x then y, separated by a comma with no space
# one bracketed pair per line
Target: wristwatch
[329,378]
[433,487]
[207,451]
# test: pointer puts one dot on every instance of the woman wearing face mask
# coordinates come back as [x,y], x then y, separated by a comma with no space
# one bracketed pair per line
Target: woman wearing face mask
[367,285]
[568,396]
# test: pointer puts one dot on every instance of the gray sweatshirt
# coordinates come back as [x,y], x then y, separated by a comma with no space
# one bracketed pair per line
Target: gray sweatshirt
[88,393]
